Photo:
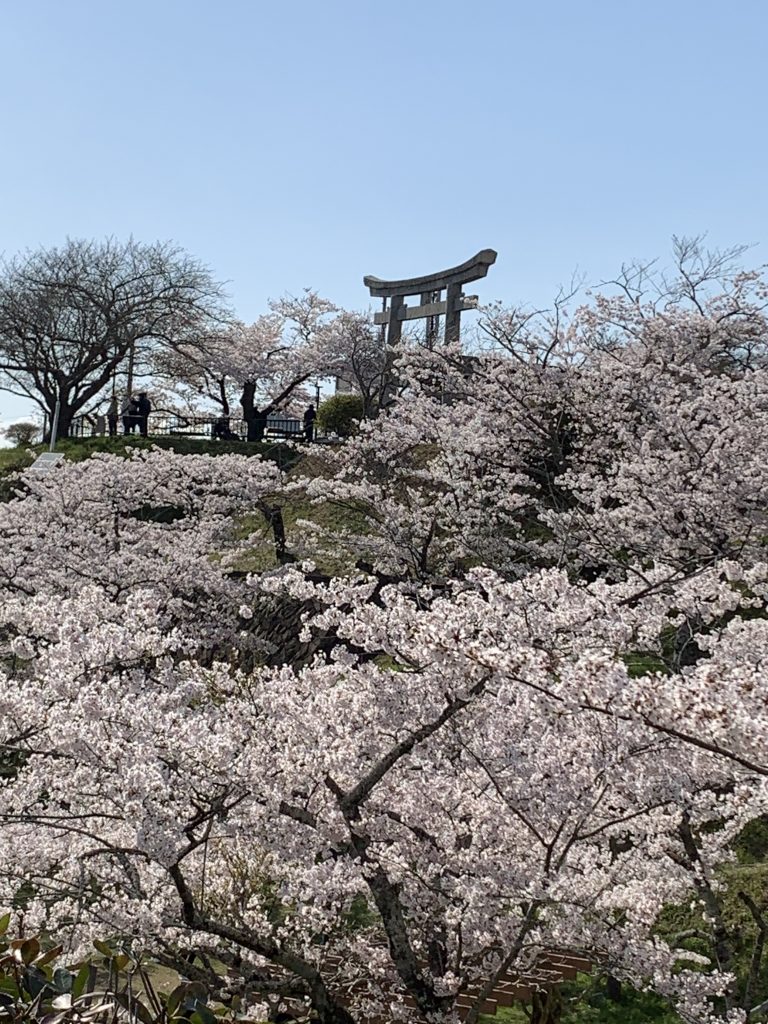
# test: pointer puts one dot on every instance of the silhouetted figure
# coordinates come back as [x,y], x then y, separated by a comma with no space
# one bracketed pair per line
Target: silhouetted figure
[143,408]
[112,414]
[221,430]
[309,422]
[129,412]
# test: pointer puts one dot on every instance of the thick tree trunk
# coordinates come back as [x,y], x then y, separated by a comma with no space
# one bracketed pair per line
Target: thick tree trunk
[64,424]
[66,416]
[255,419]
[257,424]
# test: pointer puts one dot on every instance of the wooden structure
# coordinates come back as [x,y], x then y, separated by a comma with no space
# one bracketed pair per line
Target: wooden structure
[548,973]
[542,979]
[431,303]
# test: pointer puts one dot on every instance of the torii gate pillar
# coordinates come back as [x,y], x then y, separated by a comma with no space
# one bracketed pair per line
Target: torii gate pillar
[432,306]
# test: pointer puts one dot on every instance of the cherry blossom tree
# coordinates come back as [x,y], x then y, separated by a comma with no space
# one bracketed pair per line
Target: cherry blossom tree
[474,778]
[630,429]
[265,363]
[458,471]
[361,839]
[538,717]
[156,522]
[187,383]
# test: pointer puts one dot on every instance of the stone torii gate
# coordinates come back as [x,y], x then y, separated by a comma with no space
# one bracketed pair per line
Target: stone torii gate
[432,305]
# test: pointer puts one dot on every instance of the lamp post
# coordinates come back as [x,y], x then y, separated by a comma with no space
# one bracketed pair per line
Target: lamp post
[129,382]
[55,425]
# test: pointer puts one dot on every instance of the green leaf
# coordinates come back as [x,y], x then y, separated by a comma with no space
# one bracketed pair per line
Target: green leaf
[202,1015]
[135,1008]
[84,981]
[63,979]
[8,984]
[189,994]
[186,999]
[5,920]
[174,999]
[35,980]
[102,948]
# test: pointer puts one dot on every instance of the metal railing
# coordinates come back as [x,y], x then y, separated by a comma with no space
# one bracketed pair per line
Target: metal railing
[161,424]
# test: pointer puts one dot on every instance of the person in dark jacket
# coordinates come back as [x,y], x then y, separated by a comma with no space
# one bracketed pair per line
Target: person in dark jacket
[222,430]
[309,422]
[112,414]
[129,412]
[144,408]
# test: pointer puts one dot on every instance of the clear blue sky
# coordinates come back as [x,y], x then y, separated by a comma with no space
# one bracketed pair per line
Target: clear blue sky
[295,143]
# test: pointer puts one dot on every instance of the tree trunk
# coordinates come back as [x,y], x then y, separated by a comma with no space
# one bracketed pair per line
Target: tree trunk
[223,397]
[64,425]
[613,988]
[255,419]
[257,424]
[547,1007]
[274,516]
[66,416]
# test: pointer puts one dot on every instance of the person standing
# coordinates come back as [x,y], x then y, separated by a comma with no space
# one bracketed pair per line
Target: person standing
[309,422]
[127,415]
[134,415]
[145,408]
[112,414]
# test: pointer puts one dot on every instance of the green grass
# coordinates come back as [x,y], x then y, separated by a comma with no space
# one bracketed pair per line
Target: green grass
[586,1002]
[12,459]
[77,450]
[300,540]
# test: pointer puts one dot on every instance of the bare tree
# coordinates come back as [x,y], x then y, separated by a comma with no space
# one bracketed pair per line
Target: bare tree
[71,316]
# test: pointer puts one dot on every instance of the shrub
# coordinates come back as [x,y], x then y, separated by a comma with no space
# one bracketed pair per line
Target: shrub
[340,414]
[36,987]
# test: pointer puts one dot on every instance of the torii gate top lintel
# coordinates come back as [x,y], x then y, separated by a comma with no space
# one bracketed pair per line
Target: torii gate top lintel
[472,270]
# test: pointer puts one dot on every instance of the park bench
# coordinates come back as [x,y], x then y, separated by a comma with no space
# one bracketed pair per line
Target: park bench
[283,426]
[194,426]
